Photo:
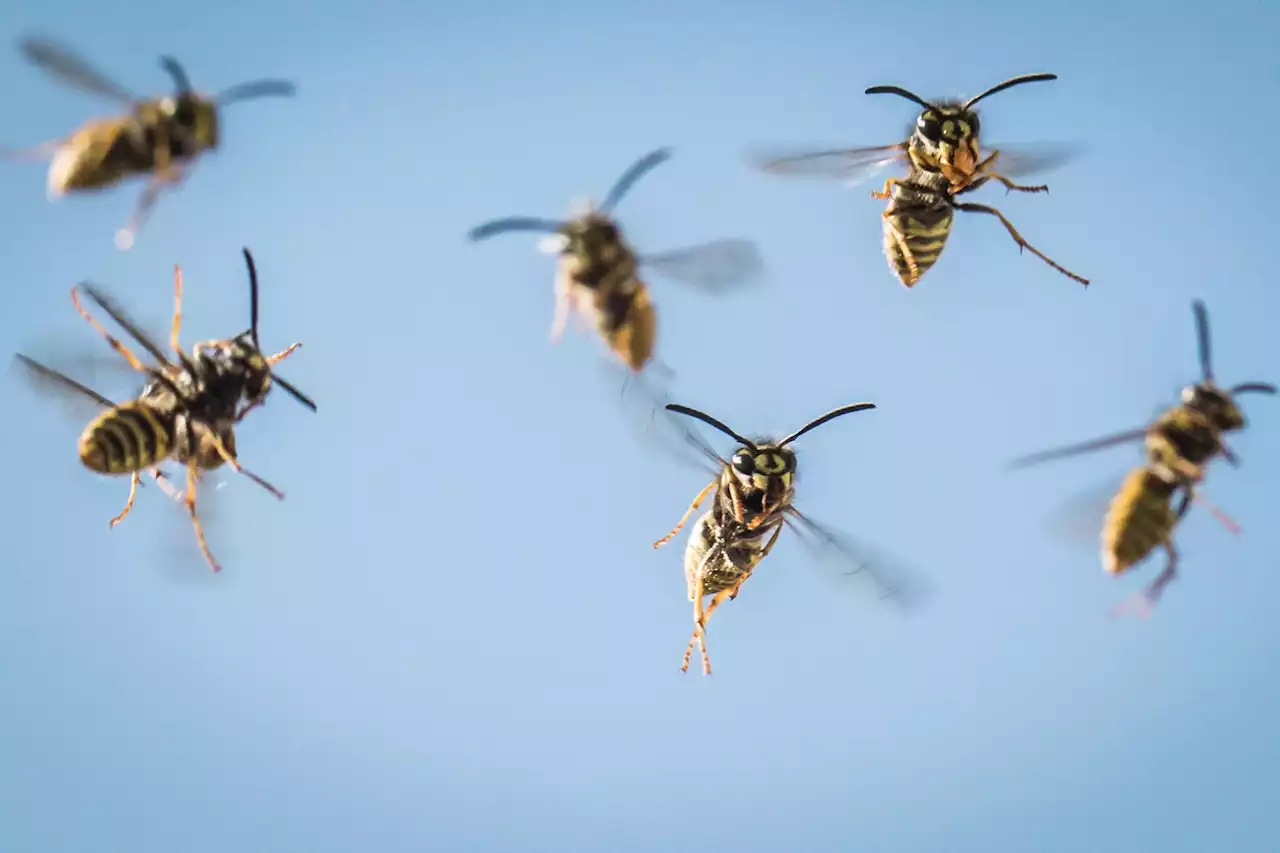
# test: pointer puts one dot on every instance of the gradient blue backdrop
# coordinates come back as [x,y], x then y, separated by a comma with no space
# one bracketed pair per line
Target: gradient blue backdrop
[454,635]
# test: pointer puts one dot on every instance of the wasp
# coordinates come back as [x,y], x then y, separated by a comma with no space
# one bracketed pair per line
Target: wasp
[1179,445]
[598,278]
[160,138]
[187,411]
[944,161]
[752,499]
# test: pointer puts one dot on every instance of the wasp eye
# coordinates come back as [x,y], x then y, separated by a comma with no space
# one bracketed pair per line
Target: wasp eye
[930,128]
[743,463]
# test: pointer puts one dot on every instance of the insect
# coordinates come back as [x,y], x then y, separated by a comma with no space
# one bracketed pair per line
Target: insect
[598,273]
[1179,445]
[944,161]
[752,499]
[187,411]
[158,137]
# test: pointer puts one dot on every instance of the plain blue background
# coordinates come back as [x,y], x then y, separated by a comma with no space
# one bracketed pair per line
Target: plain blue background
[453,635]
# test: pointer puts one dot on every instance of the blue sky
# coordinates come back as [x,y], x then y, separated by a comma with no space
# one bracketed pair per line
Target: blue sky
[454,635]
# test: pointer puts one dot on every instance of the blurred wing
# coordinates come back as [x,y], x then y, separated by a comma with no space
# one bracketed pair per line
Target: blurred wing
[1015,161]
[82,401]
[117,313]
[69,68]
[1076,520]
[710,266]
[642,398]
[851,166]
[892,579]
[1081,448]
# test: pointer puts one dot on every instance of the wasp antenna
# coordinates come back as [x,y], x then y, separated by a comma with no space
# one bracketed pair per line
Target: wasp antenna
[1202,339]
[253,296]
[900,92]
[707,419]
[256,89]
[1013,81]
[829,416]
[634,173]
[180,80]
[1256,387]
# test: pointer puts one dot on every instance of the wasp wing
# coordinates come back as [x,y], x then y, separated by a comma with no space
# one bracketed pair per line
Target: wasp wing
[1020,160]
[1081,448]
[851,166]
[711,266]
[69,68]
[643,398]
[891,578]
[108,304]
[53,383]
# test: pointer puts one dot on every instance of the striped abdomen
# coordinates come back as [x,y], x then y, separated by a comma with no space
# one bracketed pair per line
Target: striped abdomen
[916,227]
[733,553]
[130,437]
[1140,518]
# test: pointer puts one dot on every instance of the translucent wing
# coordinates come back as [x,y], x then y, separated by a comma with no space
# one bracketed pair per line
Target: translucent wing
[851,166]
[68,67]
[643,398]
[1083,447]
[891,578]
[1020,160]
[82,401]
[710,266]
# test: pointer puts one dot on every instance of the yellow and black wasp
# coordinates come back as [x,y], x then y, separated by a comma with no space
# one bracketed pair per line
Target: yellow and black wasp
[1180,444]
[158,137]
[752,499]
[187,411]
[944,161]
[598,276]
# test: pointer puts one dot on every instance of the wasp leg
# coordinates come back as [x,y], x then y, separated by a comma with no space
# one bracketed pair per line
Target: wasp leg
[1017,238]
[883,192]
[1010,185]
[177,309]
[900,239]
[284,353]
[764,552]
[1223,519]
[128,504]
[563,305]
[195,519]
[163,482]
[697,502]
[146,203]
[111,339]
[240,469]
[698,628]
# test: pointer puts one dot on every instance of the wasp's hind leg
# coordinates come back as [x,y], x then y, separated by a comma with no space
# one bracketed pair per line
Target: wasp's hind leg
[697,502]
[170,178]
[190,500]
[1017,238]
[128,504]
[230,459]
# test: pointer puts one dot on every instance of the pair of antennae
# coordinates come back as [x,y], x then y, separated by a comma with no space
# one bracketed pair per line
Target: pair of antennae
[1206,356]
[746,442]
[616,193]
[253,331]
[999,87]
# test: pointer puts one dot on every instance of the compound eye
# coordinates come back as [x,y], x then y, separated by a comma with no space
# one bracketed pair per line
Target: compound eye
[972,120]
[744,463]
[929,127]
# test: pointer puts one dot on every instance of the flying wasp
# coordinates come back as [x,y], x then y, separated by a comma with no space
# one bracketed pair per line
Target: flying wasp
[944,161]
[598,277]
[187,411]
[1179,445]
[752,499]
[158,137]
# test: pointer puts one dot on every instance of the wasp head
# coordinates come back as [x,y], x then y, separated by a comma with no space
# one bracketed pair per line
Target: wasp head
[765,474]
[1215,404]
[242,371]
[594,239]
[197,117]
[947,136]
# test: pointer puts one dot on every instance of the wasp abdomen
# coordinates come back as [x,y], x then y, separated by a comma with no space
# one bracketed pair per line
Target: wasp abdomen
[915,233]
[627,320]
[729,555]
[128,438]
[1140,519]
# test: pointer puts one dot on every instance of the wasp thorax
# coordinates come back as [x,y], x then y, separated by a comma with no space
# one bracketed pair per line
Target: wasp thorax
[1215,404]
[240,367]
